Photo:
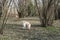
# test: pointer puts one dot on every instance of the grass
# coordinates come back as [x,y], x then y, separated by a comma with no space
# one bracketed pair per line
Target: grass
[53,29]
[3,37]
[13,32]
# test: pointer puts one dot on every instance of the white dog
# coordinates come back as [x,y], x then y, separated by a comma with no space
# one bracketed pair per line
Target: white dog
[26,24]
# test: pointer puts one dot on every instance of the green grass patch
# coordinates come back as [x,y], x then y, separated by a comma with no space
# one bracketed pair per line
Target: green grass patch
[4,38]
[53,29]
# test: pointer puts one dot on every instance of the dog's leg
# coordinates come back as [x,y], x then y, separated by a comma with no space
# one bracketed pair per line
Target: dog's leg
[24,25]
[29,26]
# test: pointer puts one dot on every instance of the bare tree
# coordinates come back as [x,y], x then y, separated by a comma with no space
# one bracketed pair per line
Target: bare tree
[46,14]
[21,8]
[56,9]
[4,13]
[0,8]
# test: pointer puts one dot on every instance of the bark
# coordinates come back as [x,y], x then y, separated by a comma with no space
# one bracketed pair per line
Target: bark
[4,11]
[47,14]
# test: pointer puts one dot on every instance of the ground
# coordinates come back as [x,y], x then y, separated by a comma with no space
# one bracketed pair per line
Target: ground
[13,31]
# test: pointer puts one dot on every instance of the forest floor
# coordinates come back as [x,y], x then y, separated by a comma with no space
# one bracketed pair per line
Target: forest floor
[13,31]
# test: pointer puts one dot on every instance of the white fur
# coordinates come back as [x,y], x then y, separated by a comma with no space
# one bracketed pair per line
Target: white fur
[24,23]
